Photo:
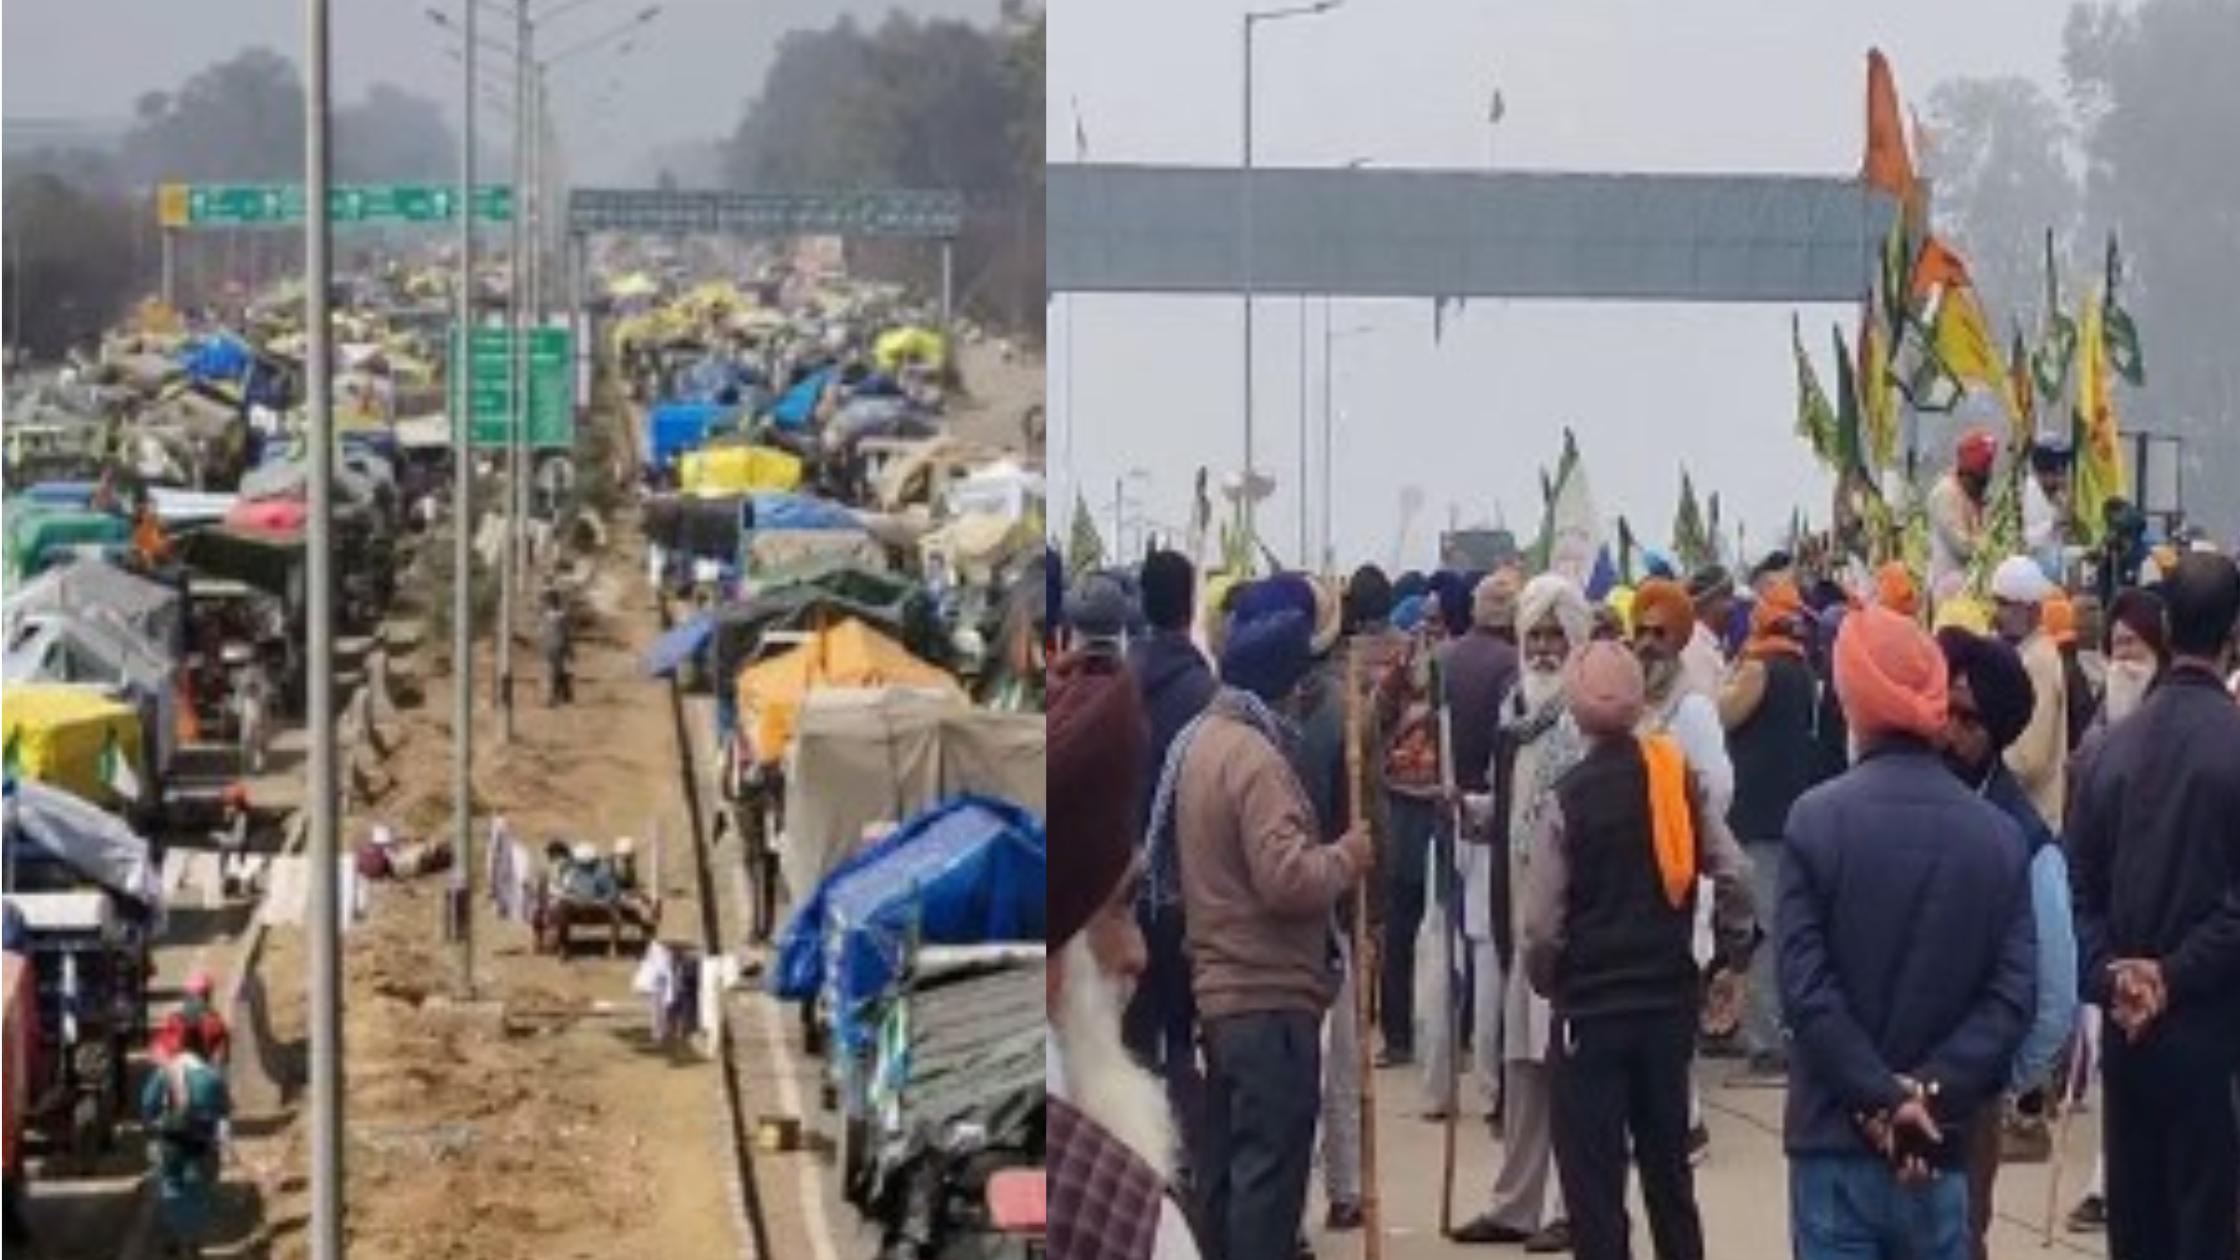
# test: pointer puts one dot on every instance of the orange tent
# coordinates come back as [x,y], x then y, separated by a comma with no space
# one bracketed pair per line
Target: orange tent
[849,654]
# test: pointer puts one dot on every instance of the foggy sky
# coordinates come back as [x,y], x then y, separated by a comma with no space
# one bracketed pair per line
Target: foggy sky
[1712,85]
[687,79]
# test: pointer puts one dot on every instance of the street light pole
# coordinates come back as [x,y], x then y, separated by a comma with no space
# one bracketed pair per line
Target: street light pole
[326,893]
[462,527]
[1252,21]
[516,375]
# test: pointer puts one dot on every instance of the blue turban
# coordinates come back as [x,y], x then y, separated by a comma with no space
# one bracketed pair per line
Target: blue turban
[1269,656]
[1283,592]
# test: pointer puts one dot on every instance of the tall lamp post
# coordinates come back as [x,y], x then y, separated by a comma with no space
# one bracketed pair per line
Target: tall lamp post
[1252,22]
[326,884]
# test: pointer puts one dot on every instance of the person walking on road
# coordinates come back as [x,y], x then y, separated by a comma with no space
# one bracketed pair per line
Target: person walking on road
[1608,938]
[1904,1025]
[2154,850]
[1235,837]
[556,639]
[187,1110]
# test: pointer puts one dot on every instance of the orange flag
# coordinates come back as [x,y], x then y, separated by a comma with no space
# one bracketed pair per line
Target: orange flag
[1937,266]
[1889,164]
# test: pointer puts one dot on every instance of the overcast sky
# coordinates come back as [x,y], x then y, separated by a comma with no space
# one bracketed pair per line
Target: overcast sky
[687,79]
[1712,85]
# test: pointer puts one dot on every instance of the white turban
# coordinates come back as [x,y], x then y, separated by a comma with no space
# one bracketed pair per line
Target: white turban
[1554,595]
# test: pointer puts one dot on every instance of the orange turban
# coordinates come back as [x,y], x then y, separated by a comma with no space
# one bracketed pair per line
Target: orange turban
[1895,589]
[2058,618]
[1670,598]
[1773,622]
[1890,676]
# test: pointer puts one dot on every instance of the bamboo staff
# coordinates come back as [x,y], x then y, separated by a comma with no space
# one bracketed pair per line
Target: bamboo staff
[1445,903]
[1372,1208]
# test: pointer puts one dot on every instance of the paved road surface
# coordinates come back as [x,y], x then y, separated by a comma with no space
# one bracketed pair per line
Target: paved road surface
[1742,1189]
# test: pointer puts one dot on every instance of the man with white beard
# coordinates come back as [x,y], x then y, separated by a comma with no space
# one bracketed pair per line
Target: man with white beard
[1539,743]
[1112,1138]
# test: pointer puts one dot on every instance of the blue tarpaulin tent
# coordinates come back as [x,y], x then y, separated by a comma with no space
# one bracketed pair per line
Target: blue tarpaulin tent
[798,405]
[970,871]
[680,644]
[674,428]
[219,359]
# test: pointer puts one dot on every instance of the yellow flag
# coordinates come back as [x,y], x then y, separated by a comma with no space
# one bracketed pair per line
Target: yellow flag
[1878,400]
[1966,348]
[2099,435]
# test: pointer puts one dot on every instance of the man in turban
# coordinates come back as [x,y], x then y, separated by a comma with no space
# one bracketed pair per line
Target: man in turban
[1236,841]
[1477,670]
[1664,621]
[1770,708]
[2154,843]
[1885,1076]
[1113,1144]
[1537,745]
[1990,699]
[1607,936]
[1704,659]
[2039,757]
[1957,505]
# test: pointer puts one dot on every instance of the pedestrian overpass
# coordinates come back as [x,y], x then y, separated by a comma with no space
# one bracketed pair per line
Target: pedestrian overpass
[1397,233]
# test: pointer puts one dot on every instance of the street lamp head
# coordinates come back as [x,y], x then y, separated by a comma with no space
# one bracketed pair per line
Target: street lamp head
[649,14]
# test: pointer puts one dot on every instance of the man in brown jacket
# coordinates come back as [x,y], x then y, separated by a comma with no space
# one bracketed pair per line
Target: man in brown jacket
[1235,838]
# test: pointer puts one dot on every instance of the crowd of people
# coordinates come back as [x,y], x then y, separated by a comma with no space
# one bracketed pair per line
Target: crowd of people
[1935,866]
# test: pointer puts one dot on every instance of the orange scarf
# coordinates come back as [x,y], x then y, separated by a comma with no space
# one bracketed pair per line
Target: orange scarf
[1671,816]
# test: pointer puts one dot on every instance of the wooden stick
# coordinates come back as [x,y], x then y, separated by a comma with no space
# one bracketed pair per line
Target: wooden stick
[1372,1207]
[1445,903]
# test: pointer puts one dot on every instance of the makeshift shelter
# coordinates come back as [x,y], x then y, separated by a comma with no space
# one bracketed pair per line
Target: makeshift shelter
[677,427]
[90,586]
[73,738]
[864,757]
[969,872]
[717,472]
[39,536]
[91,841]
[89,649]
[850,654]
[902,346]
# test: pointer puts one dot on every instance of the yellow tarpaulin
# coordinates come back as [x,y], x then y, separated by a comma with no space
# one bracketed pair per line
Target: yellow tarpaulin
[850,654]
[720,471]
[921,346]
[73,738]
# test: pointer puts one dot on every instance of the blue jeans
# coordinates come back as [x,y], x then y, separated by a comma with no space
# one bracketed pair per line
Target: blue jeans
[1844,1207]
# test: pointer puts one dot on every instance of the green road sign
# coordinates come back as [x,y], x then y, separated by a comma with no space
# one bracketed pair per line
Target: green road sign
[268,205]
[552,414]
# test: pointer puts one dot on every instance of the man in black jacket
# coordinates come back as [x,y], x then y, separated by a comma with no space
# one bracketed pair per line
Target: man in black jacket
[2154,849]
[1907,961]
[1176,684]
[1608,939]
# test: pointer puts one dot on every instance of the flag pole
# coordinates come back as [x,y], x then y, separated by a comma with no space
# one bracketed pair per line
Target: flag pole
[1372,1206]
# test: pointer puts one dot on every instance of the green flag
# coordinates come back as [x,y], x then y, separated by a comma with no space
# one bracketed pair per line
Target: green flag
[2057,338]
[2117,327]
[1847,446]
[1689,544]
[1816,419]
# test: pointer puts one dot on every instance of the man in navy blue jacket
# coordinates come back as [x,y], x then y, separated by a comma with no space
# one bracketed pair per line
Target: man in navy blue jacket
[2154,849]
[1176,684]
[1908,965]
